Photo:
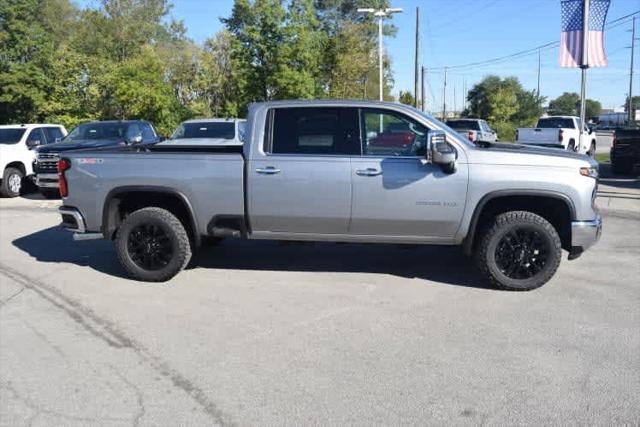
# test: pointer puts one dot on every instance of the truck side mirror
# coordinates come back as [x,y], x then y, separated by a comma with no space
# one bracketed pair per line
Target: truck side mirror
[439,152]
[136,139]
[32,143]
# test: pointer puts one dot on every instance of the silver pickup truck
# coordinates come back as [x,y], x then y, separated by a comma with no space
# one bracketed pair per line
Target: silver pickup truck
[343,171]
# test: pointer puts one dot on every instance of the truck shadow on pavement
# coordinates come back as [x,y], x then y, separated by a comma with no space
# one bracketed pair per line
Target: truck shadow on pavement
[57,246]
[443,264]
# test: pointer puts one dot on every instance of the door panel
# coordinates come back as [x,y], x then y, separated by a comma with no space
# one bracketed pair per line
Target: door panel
[408,197]
[300,194]
[302,183]
[395,191]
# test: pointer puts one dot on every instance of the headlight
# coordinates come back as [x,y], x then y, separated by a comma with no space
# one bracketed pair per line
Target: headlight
[591,172]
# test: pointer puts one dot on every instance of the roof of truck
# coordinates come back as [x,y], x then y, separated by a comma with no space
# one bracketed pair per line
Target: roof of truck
[28,125]
[215,120]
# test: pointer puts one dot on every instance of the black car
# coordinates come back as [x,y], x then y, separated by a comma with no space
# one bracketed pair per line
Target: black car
[625,150]
[105,134]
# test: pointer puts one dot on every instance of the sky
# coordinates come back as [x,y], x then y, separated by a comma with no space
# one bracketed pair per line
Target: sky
[455,32]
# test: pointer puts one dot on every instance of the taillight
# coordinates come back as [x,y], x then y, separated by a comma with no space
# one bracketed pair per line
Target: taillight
[560,132]
[63,165]
[470,135]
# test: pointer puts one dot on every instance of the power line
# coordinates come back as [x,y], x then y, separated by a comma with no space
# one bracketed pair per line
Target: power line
[535,49]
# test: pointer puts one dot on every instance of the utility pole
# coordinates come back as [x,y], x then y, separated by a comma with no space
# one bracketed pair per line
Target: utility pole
[380,14]
[423,103]
[454,99]
[417,60]
[584,66]
[633,48]
[444,96]
[538,91]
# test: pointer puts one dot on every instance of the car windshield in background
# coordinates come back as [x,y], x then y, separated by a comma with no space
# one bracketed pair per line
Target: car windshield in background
[97,131]
[11,136]
[463,124]
[217,130]
[555,123]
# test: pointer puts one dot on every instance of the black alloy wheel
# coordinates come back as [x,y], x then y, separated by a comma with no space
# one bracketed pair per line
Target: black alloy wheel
[149,247]
[522,253]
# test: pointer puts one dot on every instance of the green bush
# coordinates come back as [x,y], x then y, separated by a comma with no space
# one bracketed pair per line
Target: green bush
[506,131]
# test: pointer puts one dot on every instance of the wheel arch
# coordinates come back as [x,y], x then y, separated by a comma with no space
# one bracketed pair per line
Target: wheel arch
[542,202]
[123,200]
[18,165]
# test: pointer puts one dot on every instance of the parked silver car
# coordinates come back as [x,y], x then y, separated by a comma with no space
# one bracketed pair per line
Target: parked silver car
[475,130]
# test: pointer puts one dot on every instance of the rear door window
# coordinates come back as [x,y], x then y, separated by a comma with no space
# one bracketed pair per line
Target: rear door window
[314,131]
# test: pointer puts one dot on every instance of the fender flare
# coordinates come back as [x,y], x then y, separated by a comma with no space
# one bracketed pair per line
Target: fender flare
[108,230]
[467,244]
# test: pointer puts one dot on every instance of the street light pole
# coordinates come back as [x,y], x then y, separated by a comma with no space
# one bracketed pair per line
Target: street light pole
[380,14]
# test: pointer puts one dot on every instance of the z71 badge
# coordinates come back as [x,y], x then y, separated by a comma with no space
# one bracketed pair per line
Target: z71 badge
[89,161]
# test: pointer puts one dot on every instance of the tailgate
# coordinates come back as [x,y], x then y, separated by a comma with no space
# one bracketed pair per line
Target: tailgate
[538,136]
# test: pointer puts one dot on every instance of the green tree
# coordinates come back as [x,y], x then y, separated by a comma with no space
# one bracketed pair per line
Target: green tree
[567,104]
[405,97]
[135,89]
[592,109]
[505,103]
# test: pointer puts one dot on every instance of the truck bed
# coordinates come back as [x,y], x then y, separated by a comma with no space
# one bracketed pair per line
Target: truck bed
[212,181]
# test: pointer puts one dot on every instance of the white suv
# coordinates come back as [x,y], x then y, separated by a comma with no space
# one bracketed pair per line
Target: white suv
[17,143]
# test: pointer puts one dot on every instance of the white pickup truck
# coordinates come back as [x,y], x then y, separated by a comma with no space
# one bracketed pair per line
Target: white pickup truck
[559,132]
[17,144]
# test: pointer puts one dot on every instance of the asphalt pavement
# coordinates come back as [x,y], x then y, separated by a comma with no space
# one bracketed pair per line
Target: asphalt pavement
[265,333]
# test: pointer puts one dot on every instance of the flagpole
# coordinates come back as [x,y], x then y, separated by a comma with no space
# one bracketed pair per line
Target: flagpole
[584,65]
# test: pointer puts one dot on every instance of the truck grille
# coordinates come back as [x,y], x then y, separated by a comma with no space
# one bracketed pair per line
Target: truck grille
[47,163]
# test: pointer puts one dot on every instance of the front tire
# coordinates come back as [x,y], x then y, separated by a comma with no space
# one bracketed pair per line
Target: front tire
[11,182]
[519,251]
[153,245]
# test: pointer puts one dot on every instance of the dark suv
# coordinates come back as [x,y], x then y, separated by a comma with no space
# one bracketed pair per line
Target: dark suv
[94,135]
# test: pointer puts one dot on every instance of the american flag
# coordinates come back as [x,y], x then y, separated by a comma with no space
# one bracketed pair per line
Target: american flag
[571,40]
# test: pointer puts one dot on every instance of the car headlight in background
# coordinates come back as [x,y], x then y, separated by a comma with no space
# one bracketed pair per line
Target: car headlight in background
[591,172]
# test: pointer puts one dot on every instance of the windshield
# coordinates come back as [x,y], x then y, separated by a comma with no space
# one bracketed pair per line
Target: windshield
[97,131]
[463,124]
[11,136]
[219,130]
[555,123]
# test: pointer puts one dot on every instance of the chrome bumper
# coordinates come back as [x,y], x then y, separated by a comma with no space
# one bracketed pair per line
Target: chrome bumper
[47,180]
[72,220]
[585,234]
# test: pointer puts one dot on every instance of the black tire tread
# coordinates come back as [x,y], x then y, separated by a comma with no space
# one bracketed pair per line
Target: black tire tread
[516,217]
[174,223]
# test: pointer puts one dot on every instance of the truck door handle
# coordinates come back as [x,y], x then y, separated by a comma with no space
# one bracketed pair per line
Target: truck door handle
[269,170]
[368,172]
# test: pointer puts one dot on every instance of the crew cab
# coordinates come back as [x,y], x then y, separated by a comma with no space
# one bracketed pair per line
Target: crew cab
[17,144]
[94,135]
[209,132]
[475,130]
[625,150]
[315,171]
[565,132]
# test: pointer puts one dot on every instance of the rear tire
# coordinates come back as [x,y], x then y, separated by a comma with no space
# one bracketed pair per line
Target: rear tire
[520,251]
[571,146]
[621,167]
[153,245]
[11,182]
[50,193]
[592,150]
